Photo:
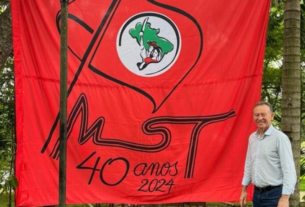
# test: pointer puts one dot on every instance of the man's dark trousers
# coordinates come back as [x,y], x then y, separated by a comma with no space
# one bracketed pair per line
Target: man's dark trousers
[267,197]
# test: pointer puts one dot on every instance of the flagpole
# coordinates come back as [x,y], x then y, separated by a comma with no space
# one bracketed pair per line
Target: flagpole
[63,102]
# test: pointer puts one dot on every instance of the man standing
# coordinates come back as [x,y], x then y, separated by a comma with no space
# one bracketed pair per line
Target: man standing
[269,163]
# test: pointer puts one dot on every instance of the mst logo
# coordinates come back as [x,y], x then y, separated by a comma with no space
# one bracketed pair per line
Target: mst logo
[148,44]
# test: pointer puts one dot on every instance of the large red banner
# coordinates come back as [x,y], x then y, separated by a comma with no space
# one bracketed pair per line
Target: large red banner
[160,97]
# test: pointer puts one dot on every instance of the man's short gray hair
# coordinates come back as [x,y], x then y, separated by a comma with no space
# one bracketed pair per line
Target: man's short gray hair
[262,103]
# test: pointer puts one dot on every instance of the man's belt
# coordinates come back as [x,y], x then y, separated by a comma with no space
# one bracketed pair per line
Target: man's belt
[267,188]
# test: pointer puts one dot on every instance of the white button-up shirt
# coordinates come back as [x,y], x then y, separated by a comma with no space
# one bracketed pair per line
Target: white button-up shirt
[269,161]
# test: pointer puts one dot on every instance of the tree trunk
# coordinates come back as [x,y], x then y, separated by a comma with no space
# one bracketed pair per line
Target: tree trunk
[291,85]
[6,42]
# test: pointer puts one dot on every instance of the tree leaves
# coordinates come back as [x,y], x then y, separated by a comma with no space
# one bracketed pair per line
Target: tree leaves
[7,127]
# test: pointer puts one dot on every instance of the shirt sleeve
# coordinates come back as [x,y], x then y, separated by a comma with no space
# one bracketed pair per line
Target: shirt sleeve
[247,170]
[287,165]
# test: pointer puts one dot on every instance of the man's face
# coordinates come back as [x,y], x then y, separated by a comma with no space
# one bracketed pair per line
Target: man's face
[262,117]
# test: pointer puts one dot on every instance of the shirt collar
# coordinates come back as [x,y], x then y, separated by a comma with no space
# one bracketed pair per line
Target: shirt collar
[268,132]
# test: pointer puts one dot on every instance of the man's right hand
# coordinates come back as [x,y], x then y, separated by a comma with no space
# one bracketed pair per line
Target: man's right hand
[243,197]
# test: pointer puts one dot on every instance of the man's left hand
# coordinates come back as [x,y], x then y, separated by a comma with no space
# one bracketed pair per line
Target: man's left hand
[284,201]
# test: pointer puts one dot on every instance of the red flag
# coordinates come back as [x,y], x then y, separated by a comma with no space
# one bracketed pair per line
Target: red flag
[160,99]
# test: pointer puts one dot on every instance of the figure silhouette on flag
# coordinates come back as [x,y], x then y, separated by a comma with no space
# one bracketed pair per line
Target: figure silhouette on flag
[154,47]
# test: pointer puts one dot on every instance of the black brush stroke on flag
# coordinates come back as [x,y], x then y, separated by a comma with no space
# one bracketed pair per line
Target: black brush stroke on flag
[100,32]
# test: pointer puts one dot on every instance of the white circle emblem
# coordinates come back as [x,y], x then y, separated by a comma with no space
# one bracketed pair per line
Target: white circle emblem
[148,44]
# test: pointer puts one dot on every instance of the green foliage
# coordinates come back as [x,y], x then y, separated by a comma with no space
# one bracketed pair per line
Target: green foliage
[3,5]
[272,90]
[302,184]
[273,61]
[302,154]
[302,168]
[274,42]
[302,5]
[5,199]
[303,60]
[7,128]
[302,165]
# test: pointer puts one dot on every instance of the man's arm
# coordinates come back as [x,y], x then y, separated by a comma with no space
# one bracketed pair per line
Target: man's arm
[243,196]
[246,181]
[287,165]
[288,170]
